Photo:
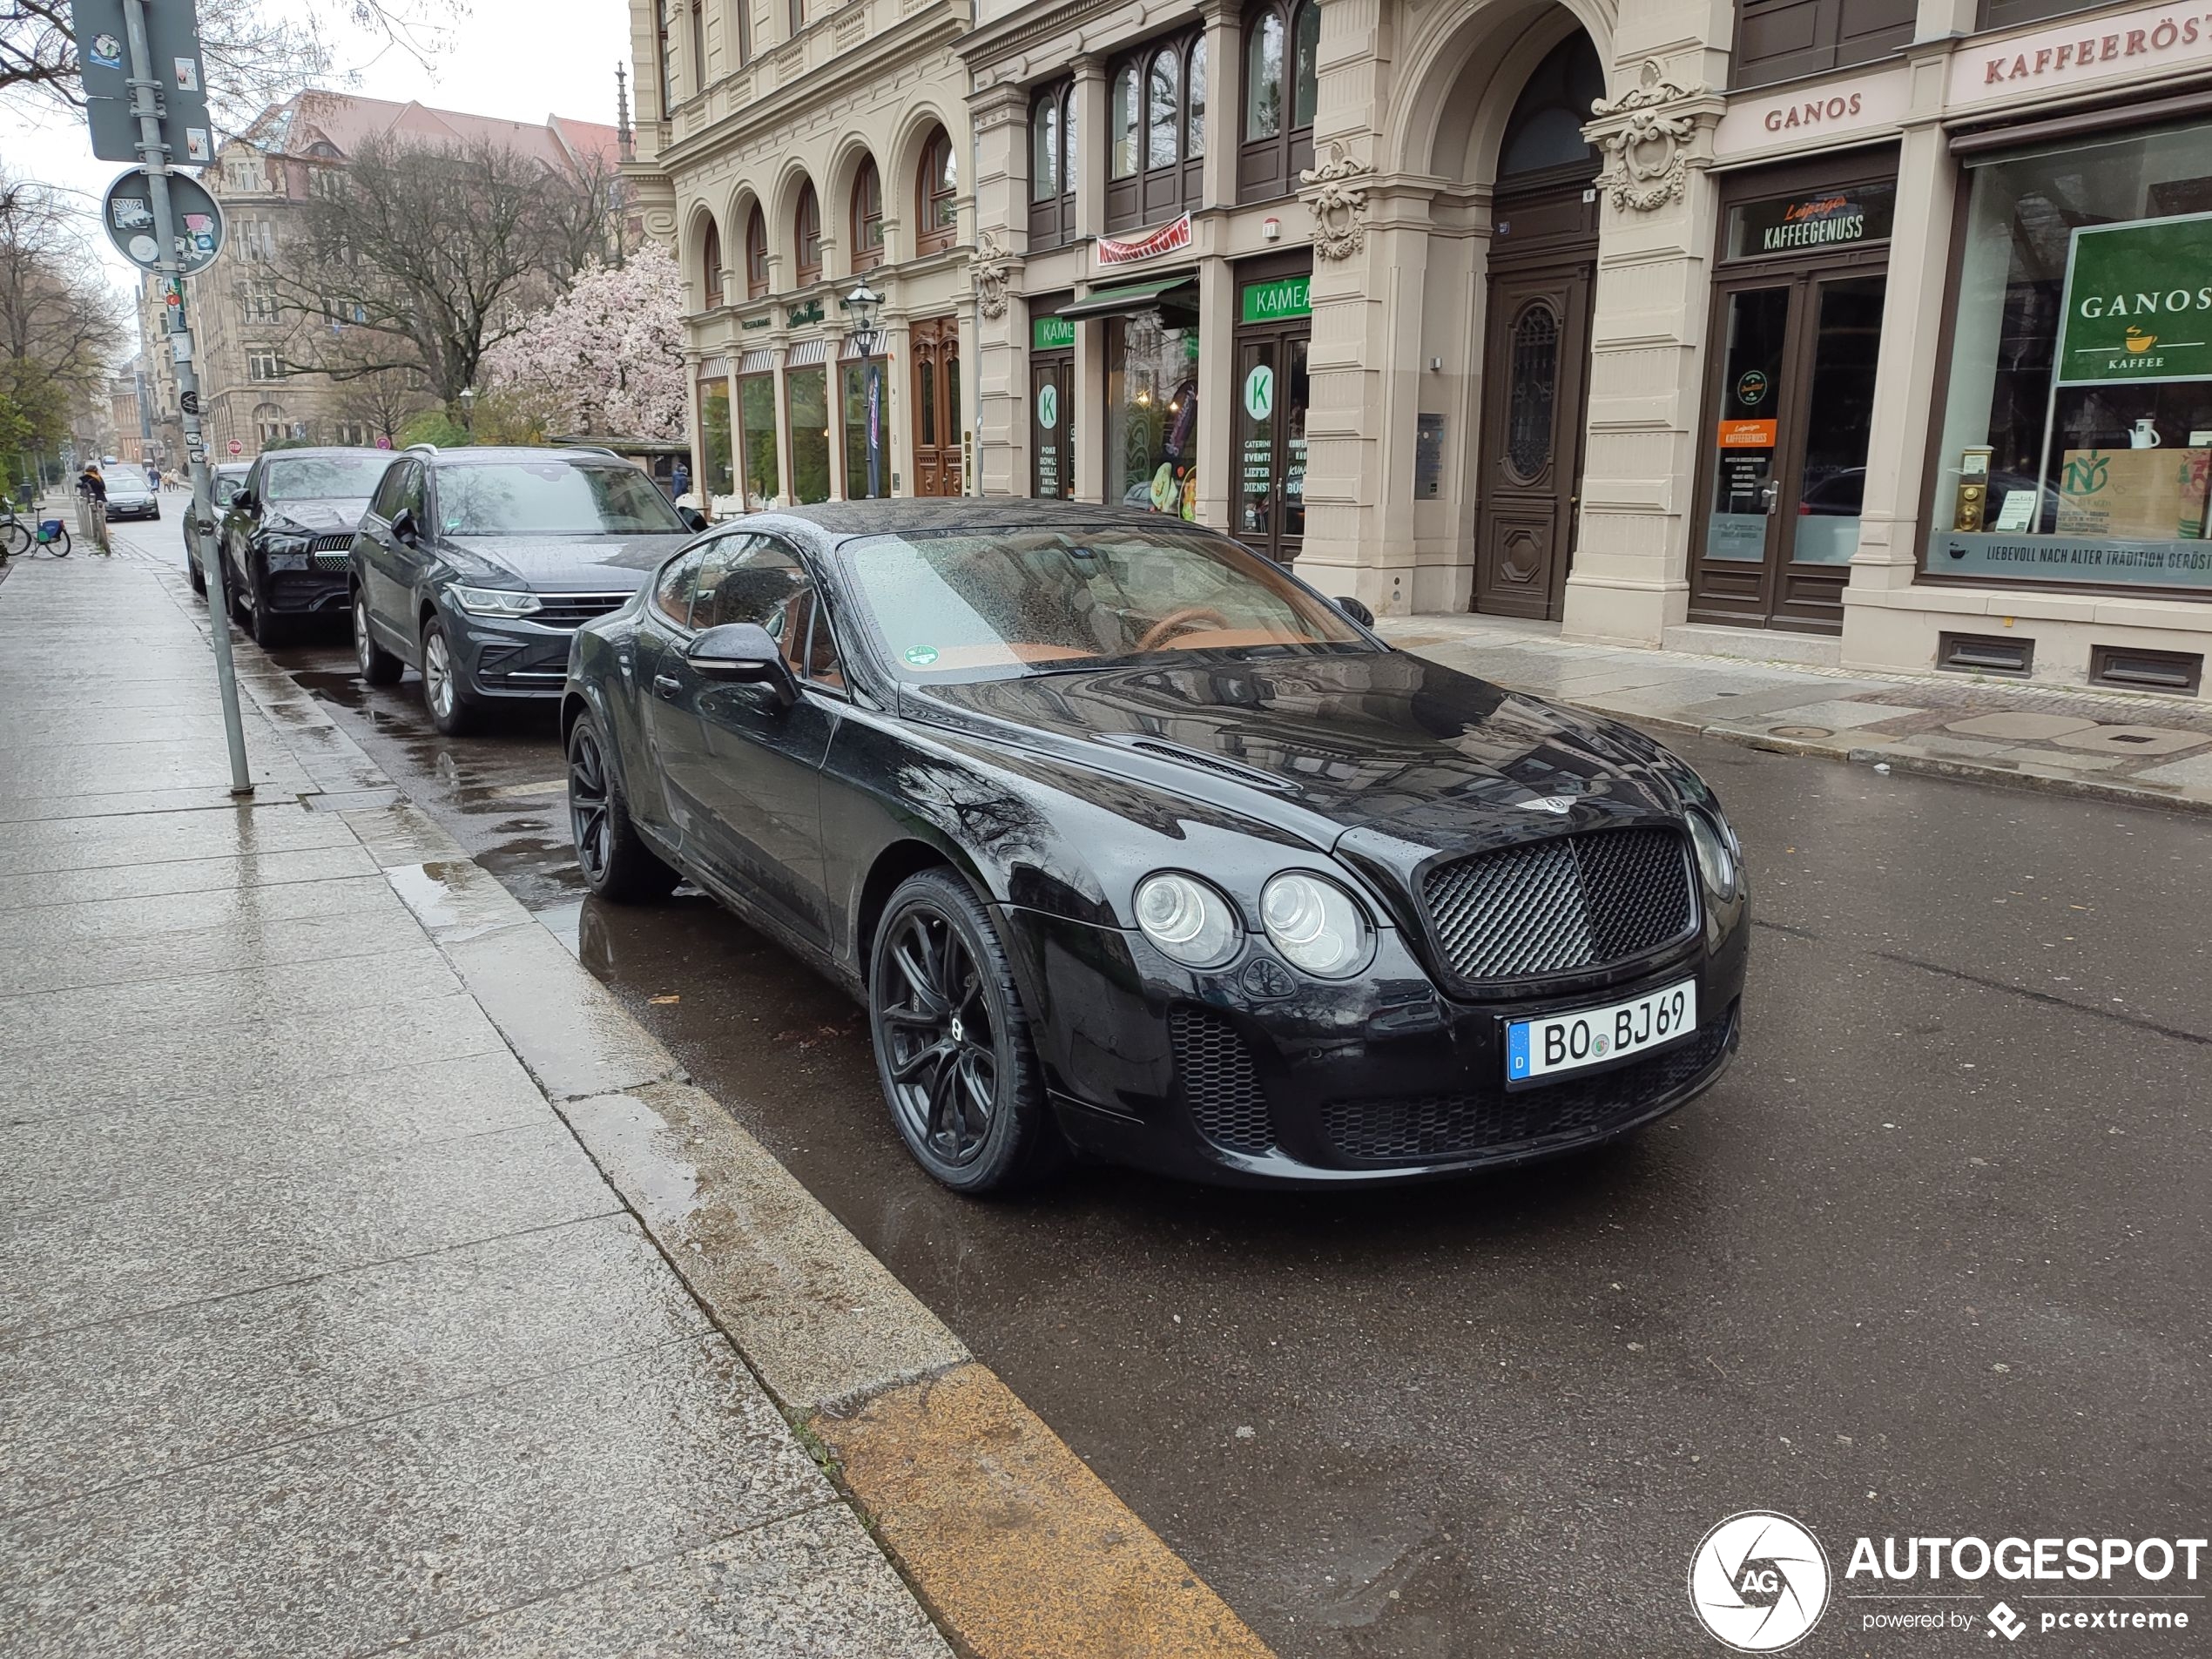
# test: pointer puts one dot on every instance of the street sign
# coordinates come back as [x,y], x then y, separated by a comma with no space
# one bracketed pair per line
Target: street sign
[172,41]
[126,213]
[189,402]
[235,447]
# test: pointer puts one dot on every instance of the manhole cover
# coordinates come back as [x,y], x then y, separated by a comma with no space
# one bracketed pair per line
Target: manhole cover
[1799,731]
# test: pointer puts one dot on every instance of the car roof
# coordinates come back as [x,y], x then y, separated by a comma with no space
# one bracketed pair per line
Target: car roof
[840,521]
[324,449]
[477,455]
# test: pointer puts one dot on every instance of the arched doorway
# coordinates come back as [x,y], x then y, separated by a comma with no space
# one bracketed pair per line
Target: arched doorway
[1535,357]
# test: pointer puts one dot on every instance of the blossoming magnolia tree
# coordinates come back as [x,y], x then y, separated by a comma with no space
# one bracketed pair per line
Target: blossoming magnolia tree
[608,357]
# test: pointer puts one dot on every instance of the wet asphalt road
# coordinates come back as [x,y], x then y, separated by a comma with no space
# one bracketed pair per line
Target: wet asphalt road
[1930,1259]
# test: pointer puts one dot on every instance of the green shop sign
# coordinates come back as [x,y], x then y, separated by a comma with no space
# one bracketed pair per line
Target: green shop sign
[1273,302]
[800,316]
[2138,302]
[1052,334]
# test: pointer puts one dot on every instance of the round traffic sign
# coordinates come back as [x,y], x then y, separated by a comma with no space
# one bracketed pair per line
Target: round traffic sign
[235,447]
[195,222]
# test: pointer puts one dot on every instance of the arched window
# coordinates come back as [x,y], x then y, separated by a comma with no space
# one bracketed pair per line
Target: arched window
[1158,107]
[756,254]
[1545,129]
[937,195]
[1282,88]
[710,267]
[1052,164]
[867,217]
[806,235]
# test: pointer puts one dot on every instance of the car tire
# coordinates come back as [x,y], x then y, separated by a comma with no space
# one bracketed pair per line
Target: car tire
[377,665]
[616,862]
[935,969]
[452,710]
[193,574]
[270,630]
[234,595]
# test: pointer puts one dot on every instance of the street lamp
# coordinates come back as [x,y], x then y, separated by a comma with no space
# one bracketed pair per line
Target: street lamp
[469,410]
[862,304]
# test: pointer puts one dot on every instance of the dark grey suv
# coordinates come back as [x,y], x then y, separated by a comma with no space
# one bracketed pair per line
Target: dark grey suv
[475,566]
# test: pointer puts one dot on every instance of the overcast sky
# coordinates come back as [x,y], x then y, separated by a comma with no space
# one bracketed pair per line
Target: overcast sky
[521,59]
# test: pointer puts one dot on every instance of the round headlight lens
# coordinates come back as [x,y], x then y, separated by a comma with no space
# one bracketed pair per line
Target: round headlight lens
[1315,924]
[1187,919]
[1715,862]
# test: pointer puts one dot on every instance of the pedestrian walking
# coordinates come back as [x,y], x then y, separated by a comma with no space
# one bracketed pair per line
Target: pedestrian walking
[679,481]
[91,495]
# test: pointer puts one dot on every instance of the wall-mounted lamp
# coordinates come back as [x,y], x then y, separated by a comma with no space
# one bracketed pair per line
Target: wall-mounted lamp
[1271,228]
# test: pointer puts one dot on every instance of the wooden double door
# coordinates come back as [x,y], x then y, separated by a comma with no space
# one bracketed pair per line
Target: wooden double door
[934,343]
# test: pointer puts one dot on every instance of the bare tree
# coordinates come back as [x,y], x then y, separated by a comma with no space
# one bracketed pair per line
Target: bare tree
[59,322]
[424,258]
[256,52]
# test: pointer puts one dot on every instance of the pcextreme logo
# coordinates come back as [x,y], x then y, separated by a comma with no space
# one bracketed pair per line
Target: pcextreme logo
[1759,1582]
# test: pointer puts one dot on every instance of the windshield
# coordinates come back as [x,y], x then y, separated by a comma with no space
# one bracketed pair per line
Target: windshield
[962,605]
[552,498]
[324,478]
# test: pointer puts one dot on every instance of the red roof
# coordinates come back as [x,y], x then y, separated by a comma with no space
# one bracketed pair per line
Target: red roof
[343,121]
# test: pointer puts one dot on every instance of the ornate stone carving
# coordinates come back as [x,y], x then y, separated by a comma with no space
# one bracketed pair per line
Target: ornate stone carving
[1646,156]
[990,269]
[1339,205]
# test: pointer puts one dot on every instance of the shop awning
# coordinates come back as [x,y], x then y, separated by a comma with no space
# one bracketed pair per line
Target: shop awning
[1181,290]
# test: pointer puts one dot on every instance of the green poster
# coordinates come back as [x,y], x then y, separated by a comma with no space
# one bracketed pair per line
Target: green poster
[2139,302]
[1270,301]
[1052,334]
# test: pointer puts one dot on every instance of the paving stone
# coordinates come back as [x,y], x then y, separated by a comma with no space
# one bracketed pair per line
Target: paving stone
[2019,727]
[2133,739]
[2194,772]
[1838,714]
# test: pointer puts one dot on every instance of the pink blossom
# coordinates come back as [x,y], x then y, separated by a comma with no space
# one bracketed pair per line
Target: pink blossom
[608,357]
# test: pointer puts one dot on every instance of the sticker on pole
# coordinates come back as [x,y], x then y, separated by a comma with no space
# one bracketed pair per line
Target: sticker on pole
[126,214]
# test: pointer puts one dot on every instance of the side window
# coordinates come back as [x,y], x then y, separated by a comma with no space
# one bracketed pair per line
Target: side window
[756,578]
[391,494]
[672,590]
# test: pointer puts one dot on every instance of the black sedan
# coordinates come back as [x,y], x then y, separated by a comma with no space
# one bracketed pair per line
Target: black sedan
[1133,844]
[288,535]
[474,565]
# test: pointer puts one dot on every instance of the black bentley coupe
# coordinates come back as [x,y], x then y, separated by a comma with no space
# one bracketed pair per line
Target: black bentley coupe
[1133,844]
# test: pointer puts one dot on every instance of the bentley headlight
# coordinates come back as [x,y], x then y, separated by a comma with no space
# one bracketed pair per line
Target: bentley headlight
[1187,919]
[1716,854]
[493,602]
[1316,924]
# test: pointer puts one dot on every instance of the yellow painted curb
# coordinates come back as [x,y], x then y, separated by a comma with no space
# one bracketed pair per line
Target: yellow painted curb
[1020,1550]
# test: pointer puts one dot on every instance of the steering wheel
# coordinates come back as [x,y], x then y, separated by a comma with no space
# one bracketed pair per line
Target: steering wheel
[1178,621]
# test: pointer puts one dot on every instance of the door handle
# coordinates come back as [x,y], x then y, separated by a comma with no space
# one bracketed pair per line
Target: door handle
[1770,493]
[667,684]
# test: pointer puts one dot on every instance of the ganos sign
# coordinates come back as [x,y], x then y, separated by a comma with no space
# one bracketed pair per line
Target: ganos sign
[2139,302]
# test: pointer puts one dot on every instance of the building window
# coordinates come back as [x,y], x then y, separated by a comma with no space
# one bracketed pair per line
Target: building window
[757,431]
[756,254]
[808,391]
[716,479]
[1152,411]
[699,47]
[806,235]
[1282,87]
[1545,129]
[2076,442]
[260,305]
[867,458]
[1158,133]
[264,366]
[867,217]
[1776,39]
[1052,165]
[710,266]
[329,183]
[937,195]
[661,55]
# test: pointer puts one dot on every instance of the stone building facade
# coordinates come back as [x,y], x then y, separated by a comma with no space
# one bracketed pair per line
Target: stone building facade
[1789,328]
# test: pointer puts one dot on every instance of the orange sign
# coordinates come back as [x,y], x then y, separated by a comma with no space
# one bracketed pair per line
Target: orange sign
[1747,435]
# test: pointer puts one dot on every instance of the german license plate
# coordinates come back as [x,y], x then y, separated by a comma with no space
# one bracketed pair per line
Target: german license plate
[1585,1037]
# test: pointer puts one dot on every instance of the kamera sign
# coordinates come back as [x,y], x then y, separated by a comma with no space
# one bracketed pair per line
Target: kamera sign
[2138,302]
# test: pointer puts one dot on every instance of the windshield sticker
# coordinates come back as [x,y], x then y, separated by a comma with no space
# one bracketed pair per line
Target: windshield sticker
[922,656]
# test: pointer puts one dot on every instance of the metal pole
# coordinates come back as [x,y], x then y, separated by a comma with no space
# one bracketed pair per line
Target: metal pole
[155,154]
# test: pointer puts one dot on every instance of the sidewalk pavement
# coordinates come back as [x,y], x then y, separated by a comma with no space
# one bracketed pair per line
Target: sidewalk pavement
[320,1332]
[2106,744]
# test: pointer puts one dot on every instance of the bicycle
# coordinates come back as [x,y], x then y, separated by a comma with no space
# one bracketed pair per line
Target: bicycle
[52,538]
[15,534]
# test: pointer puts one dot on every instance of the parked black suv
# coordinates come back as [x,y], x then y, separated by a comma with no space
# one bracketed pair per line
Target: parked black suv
[289,532]
[475,566]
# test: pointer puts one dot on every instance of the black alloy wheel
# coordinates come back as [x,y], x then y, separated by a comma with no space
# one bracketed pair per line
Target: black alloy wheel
[270,630]
[377,665]
[952,1045]
[617,863]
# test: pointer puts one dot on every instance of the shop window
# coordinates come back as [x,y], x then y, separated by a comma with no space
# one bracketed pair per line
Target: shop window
[756,254]
[714,437]
[1282,88]
[1545,129]
[808,391]
[1152,411]
[757,432]
[710,267]
[1157,109]
[806,235]
[1052,165]
[2076,435]
[862,395]
[937,195]
[867,218]
[1776,39]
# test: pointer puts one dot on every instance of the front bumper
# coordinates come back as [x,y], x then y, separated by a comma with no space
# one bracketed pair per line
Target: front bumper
[134,509]
[507,658]
[1382,1078]
[303,584]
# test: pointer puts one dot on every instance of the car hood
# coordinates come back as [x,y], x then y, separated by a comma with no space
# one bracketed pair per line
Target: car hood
[571,563]
[314,517]
[1382,754]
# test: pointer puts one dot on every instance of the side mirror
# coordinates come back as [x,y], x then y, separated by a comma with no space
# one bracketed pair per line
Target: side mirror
[404,528]
[693,517]
[243,501]
[744,652]
[1353,609]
